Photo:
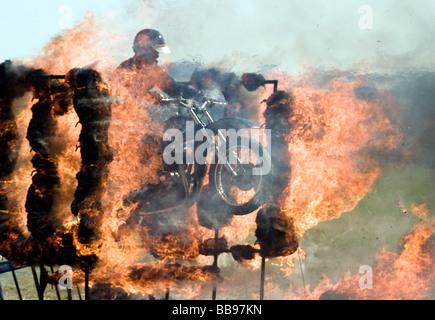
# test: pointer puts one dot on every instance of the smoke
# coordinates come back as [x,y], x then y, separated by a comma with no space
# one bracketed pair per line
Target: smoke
[258,35]
[415,95]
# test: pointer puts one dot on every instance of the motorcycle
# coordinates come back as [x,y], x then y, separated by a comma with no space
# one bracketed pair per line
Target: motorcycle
[237,185]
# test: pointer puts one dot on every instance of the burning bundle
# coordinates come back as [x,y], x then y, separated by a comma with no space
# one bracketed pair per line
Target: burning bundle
[51,247]
[170,272]
[41,218]
[240,253]
[252,81]
[277,115]
[275,233]
[93,107]
[10,88]
[213,246]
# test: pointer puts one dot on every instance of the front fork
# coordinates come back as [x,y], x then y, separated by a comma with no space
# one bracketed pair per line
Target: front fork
[221,154]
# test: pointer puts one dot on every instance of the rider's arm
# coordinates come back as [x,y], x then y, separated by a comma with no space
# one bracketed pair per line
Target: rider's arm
[182,89]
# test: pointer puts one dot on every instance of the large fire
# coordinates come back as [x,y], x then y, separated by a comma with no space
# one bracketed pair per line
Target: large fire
[337,140]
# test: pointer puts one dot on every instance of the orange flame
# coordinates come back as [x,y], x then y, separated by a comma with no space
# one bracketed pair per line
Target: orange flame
[332,142]
[408,275]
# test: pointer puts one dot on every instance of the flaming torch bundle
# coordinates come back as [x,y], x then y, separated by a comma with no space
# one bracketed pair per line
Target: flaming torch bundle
[50,242]
[9,90]
[46,243]
[92,105]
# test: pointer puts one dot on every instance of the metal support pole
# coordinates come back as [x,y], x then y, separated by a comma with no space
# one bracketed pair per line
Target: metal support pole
[56,287]
[86,284]
[35,279]
[43,281]
[79,293]
[215,260]
[16,285]
[2,293]
[263,270]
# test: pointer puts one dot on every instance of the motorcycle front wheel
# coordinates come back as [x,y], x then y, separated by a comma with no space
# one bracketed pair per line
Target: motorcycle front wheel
[246,190]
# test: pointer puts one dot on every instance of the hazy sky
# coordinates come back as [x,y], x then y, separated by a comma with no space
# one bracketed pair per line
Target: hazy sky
[246,33]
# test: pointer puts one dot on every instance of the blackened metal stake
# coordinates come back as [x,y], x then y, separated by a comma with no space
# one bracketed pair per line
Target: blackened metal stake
[16,285]
[43,281]
[79,293]
[35,279]
[56,287]
[87,284]
[2,293]
[215,260]
[263,271]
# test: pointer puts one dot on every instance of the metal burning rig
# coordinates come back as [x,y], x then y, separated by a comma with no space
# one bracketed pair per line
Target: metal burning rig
[47,242]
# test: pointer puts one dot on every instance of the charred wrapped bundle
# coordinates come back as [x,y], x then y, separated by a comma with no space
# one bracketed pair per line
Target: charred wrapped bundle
[56,248]
[275,233]
[240,253]
[277,115]
[213,246]
[12,86]
[243,252]
[278,112]
[41,219]
[252,81]
[170,272]
[92,104]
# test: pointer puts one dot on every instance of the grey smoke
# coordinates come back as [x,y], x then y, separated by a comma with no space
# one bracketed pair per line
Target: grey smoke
[259,34]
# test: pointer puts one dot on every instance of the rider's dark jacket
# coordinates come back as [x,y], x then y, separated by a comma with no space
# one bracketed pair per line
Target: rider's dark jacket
[141,78]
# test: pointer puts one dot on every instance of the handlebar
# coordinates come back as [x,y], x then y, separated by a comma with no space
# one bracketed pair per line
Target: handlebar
[190,103]
[211,103]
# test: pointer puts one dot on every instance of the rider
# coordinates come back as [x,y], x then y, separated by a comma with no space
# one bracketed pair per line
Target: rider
[140,74]
[147,46]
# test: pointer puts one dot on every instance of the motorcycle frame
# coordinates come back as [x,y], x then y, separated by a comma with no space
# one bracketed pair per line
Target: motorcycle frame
[192,196]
